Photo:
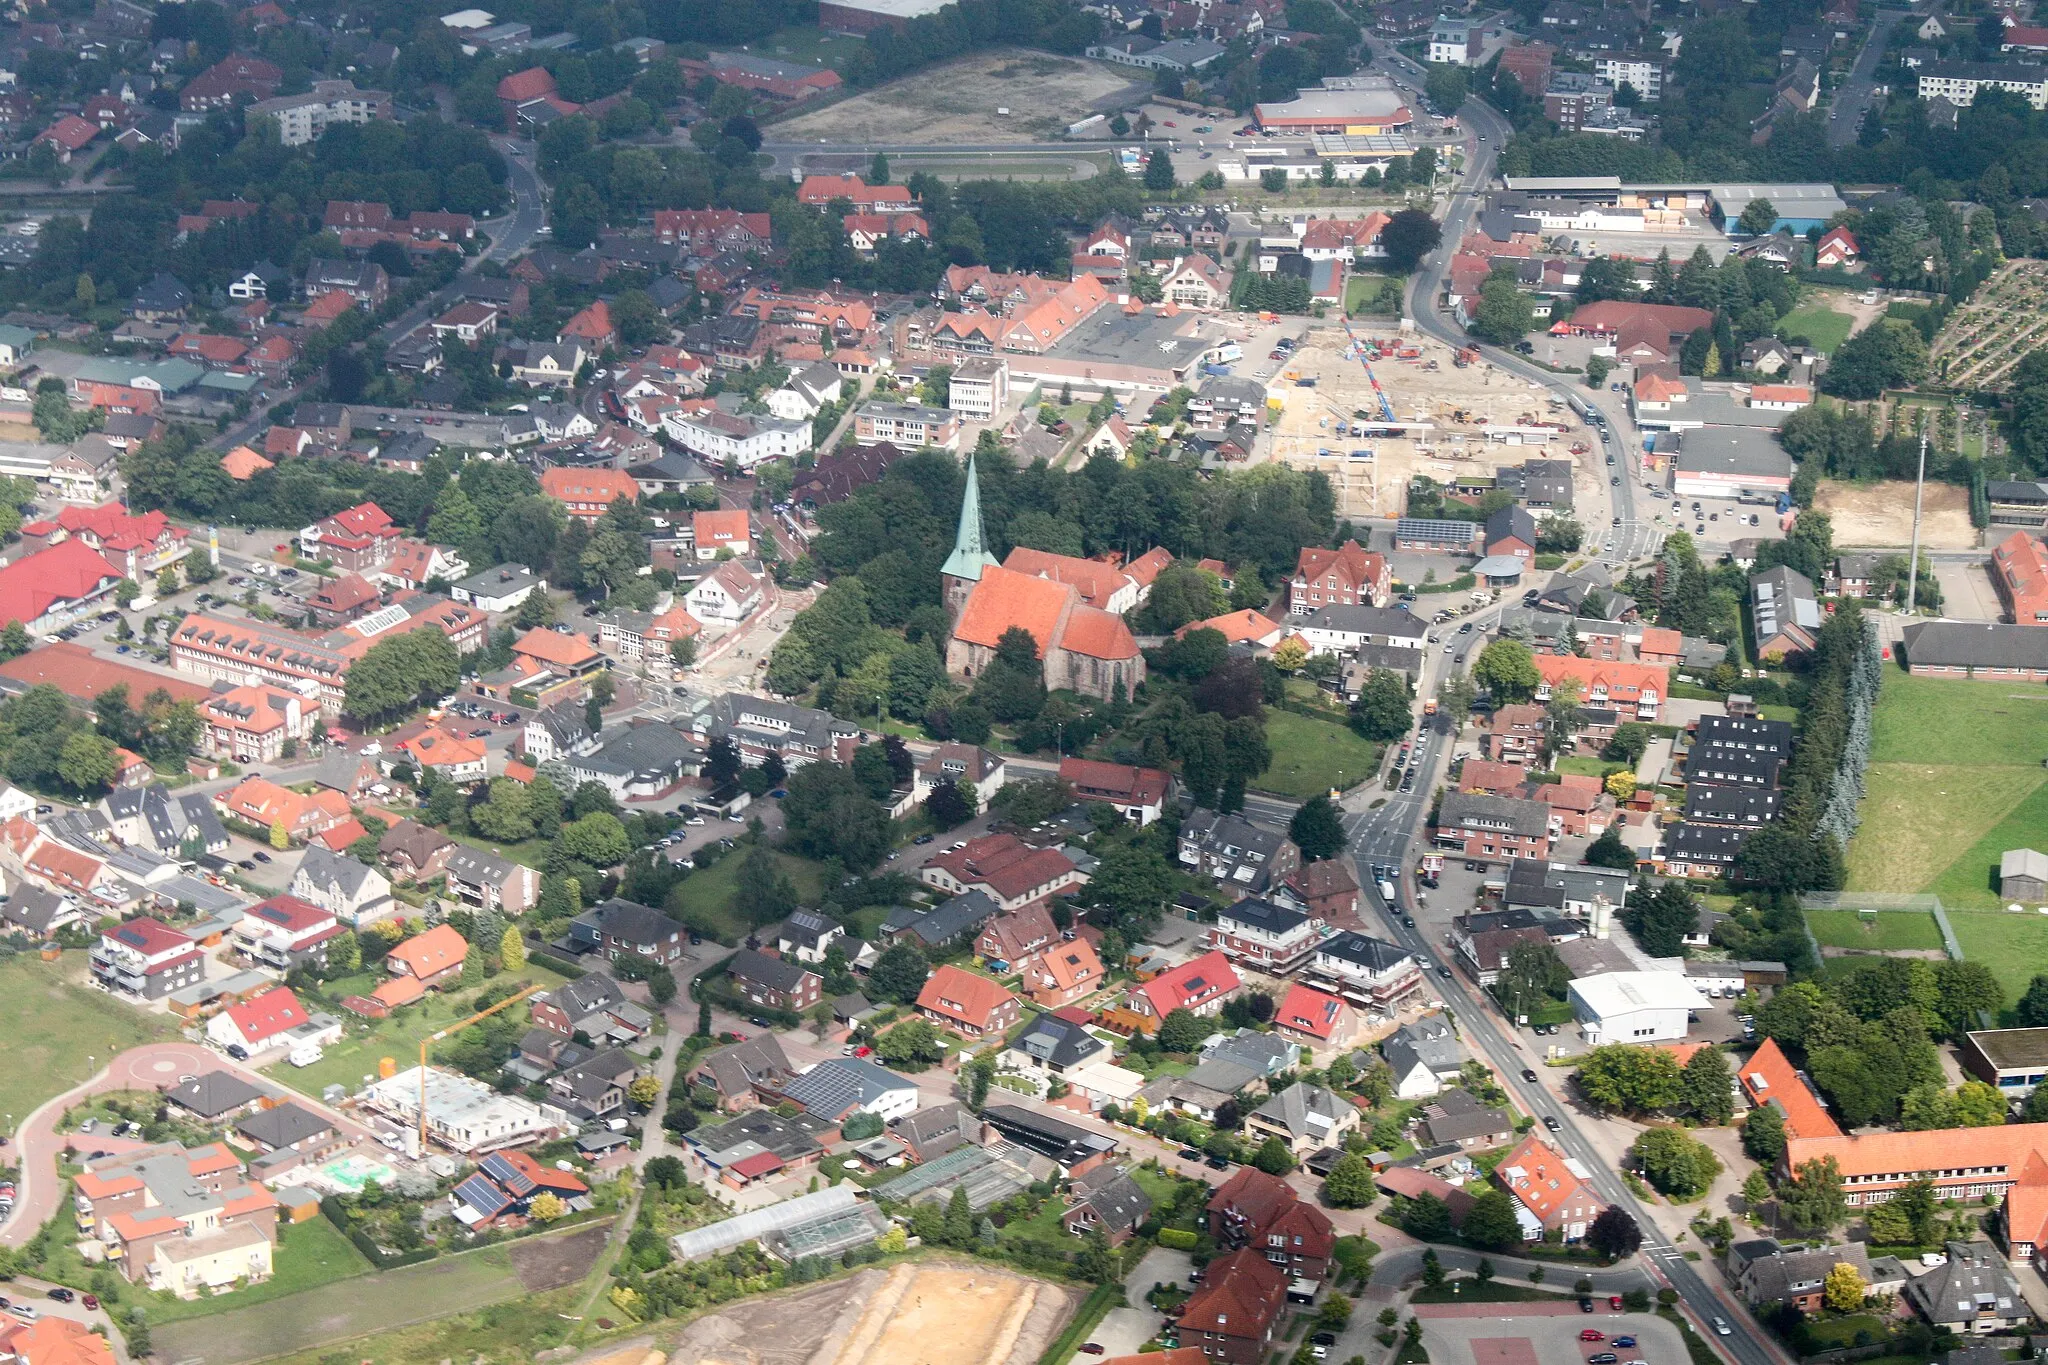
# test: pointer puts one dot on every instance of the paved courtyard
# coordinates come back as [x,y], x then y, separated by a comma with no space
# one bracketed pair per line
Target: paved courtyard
[1541,1334]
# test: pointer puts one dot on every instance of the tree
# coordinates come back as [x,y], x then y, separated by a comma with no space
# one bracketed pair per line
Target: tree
[598,839]
[1159,171]
[2032,1009]
[878,170]
[1888,354]
[1758,217]
[949,805]
[1598,367]
[1614,1233]
[1182,1031]
[1349,1183]
[1708,1086]
[1317,829]
[1843,1288]
[828,815]
[1660,919]
[914,1042]
[644,1090]
[1507,670]
[1407,237]
[1490,1223]
[763,893]
[1676,1163]
[1381,711]
[899,974]
[1610,851]
[86,762]
[1635,1080]
[1273,1157]
[546,1208]
[1756,1191]
[1813,1198]
[1428,1219]
[1505,313]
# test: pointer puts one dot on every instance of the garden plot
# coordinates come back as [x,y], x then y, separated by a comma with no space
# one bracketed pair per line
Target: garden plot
[2001,325]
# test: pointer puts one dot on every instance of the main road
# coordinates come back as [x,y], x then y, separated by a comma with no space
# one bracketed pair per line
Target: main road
[1390,832]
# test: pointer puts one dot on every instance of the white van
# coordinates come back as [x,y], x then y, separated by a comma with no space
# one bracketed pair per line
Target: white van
[305,1054]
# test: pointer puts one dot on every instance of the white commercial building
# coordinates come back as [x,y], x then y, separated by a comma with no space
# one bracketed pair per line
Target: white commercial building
[1634,1007]
[746,441]
[464,1115]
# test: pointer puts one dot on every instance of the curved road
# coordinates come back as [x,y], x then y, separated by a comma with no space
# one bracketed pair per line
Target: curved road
[153,1066]
[1400,826]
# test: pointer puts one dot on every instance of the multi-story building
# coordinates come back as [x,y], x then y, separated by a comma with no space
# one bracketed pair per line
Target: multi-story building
[303,118]
[760,726]
[2019,570]
[1200,986]
[1959,82]
[617,927]
[147,958]
[907,425]
[1366,970]
[1556,1191]
[1232,1314]
[249,653]
[1350,575]
[177,1220]
[253,724]
[1005,869]
[284,932]
[1268,936]
[486,880]
[1644,72]
[1635,690]
[774,982]
[362,537]
[1262,1214]
[1493,826]
[1245,859]
[746,441]
[979,388]
[1139,794]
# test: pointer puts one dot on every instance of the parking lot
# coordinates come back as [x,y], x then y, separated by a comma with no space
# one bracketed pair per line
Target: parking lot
[1497,1334]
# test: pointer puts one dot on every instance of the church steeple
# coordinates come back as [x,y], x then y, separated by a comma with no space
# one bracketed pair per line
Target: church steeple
[962,569]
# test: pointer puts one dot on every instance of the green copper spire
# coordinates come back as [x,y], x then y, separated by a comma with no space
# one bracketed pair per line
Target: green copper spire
[969,557]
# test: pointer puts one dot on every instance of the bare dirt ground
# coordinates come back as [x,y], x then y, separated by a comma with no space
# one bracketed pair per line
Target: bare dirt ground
[927,1314]
[1458,403]
[551,1262]
[957,102]
[1881,514]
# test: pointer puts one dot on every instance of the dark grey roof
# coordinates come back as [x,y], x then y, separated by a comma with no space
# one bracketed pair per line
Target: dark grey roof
[1743,767]
[1744,732]
[1373,954]
[1718,803]
[1057,1042]
[1511,521]
[1705,843]
[324,867]
[1264,915]
[1118,1202]
[586,995]
[736,1067]
[1969,644]
[948,921]
[838,1084]
[643,752]
[933,1131]
[1461,809]
[630,921]
[1357,618]
[214,1093]
[282,1126]
[776,973]
[478,866]
[33,908]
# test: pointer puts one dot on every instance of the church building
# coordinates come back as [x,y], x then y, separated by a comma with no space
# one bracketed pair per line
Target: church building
[1081,648]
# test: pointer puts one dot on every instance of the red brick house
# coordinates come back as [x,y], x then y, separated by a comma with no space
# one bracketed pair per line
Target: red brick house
[1232,1316]
[972,1005]
[1262,1213]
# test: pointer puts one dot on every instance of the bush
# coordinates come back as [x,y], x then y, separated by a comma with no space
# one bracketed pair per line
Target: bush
[1177,1239]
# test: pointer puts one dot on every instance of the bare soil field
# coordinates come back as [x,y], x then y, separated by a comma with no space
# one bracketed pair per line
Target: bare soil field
[957,102]
[1459,405]
[551,1262]
[932,1313]
[1881,514]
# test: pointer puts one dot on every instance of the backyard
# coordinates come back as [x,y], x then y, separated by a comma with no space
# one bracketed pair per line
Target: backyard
[353,1061]
[57,1032]
[703,900]
[1311,756]
[1819,324]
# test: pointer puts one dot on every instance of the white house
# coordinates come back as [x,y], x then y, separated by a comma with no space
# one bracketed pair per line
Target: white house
[725,596]
[271,1020]
[746,441]
[839,1086]
[805,394]
[1634,1007]
[345,888]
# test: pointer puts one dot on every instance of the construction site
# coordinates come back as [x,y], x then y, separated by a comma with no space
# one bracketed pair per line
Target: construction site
[1374,411]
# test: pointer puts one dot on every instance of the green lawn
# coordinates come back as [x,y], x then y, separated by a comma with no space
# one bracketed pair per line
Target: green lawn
[811,45]
[2014,947]
[1582,765]
[1971,881]
[1311,756]
[1881,933]
[366,1041]
[1961,722]
[58,1033]
[309,1254]
[1819,324]
[703,900]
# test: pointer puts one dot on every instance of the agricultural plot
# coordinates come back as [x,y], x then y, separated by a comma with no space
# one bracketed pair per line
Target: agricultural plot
[2005,321]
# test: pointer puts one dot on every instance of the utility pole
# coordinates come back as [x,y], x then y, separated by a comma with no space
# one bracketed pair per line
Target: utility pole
[1913,560]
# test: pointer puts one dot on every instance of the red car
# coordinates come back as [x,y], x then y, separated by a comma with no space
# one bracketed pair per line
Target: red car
[1592,1334]
[1614,1302]
[90,1300]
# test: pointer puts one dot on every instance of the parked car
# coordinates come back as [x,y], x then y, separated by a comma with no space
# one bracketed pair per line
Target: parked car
[1592,1334]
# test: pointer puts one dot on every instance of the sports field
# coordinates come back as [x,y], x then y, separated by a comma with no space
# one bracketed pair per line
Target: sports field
[1883,933]
[1955,779]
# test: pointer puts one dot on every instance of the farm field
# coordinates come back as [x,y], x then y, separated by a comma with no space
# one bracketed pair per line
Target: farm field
[957,102]
[2005,321]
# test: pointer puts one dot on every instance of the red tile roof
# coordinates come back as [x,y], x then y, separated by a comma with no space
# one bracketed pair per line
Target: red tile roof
[1306,1010]
[1769,1077]
[962,996]
[66,572]
[1207,978]
[1004,598]
[82,675]
[530,84]
[1240,1296]
[1536,1174]
[424,955]
[267,1015]
[1095,581]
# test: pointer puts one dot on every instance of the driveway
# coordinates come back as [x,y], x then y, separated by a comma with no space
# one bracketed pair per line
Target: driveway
[1124,1330]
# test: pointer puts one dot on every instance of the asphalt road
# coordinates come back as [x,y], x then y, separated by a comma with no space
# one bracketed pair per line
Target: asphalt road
[1852,101]
[1398,826]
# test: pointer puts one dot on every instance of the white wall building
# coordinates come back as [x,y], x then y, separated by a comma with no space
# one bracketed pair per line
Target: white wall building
[1634,1007]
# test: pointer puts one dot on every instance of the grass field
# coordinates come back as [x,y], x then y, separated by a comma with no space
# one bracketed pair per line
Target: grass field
[1883,933]
[365,1041]
[1311,756]
[811,46]
[1586,765]
[703,900]
[1955,780]
[336,1311]
[2014,947]
[309,1254]
[53,1026]
[1819,324]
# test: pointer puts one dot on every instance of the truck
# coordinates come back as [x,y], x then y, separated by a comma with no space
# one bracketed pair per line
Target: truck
[1227,353]
[1386,889]
[1784,503]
